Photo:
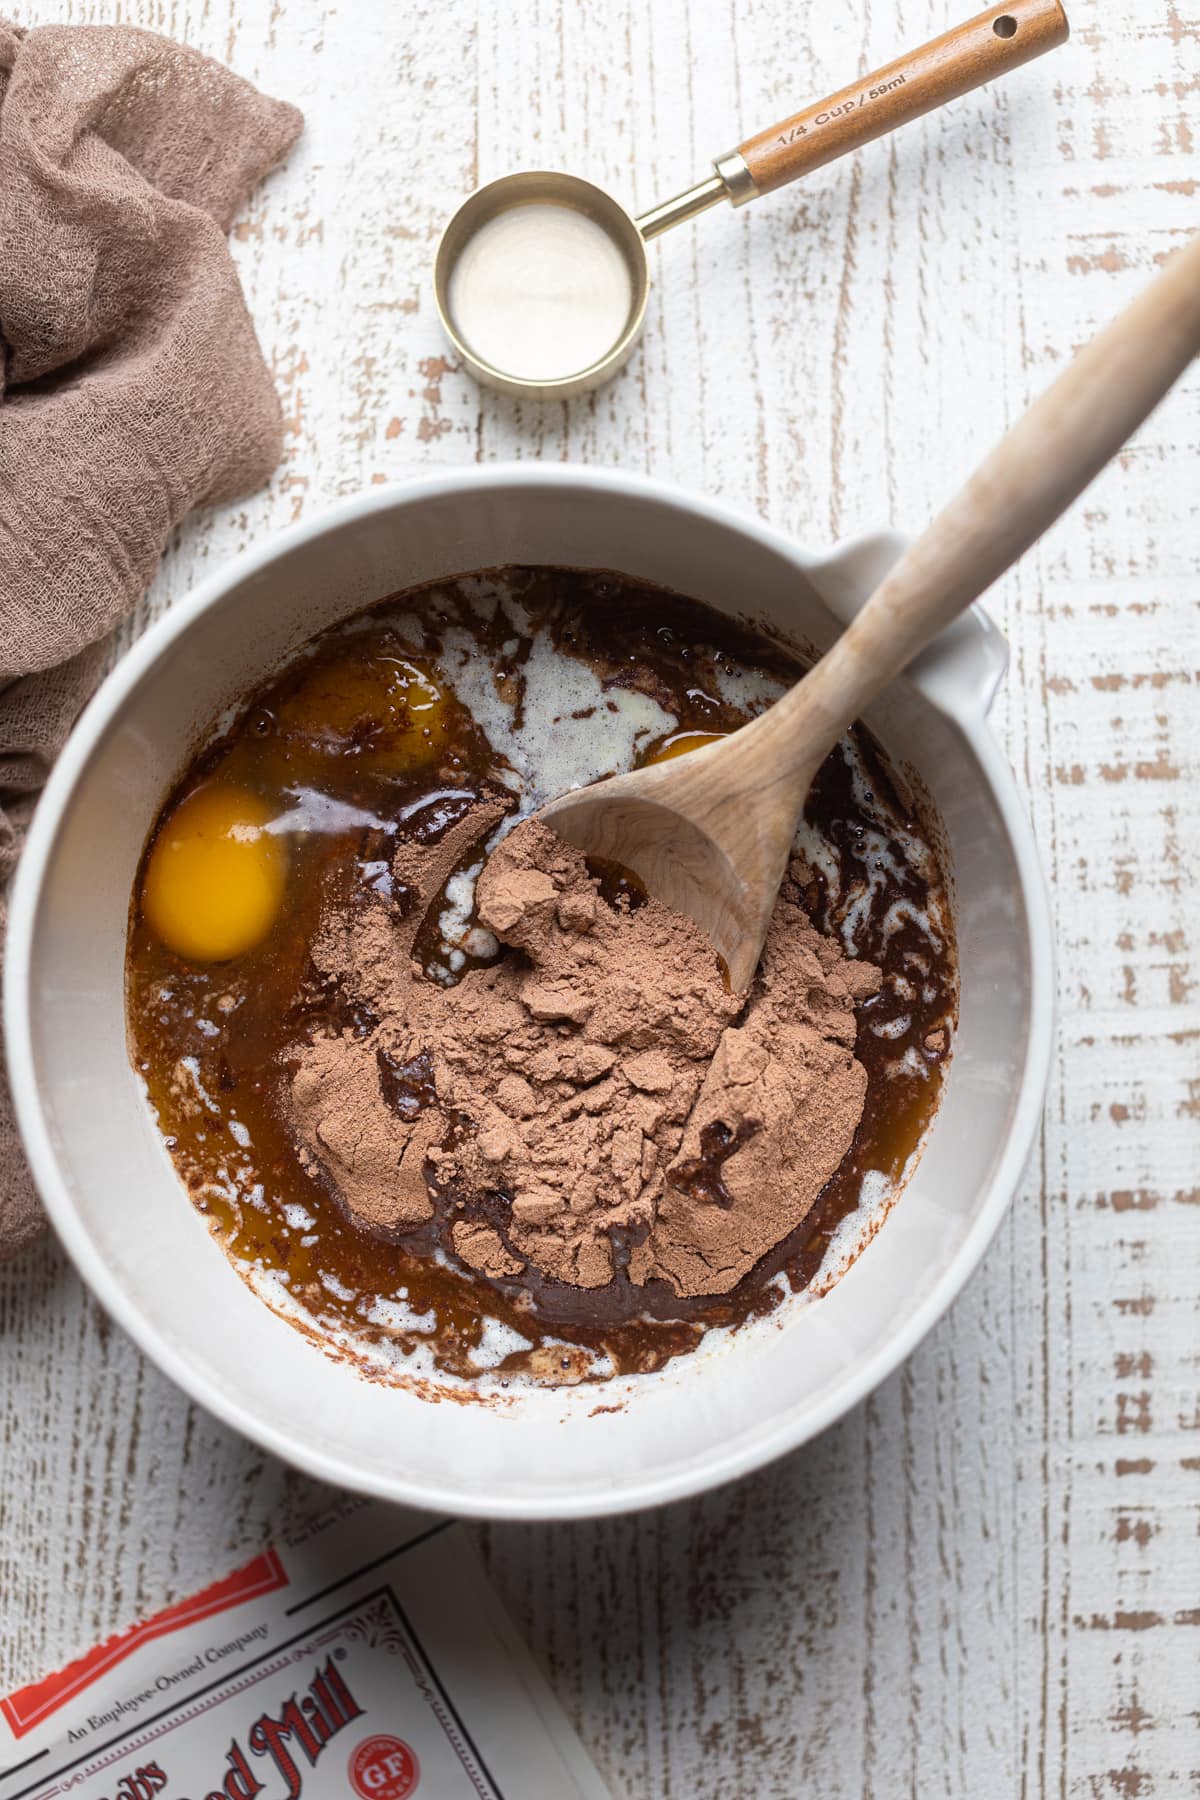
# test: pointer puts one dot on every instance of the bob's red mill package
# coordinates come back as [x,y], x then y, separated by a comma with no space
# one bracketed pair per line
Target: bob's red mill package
[366,1660]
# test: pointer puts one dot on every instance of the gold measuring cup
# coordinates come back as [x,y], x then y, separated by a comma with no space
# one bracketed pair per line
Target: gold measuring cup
[542,279]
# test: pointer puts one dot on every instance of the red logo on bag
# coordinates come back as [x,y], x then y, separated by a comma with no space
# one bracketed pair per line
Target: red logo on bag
[384,1768]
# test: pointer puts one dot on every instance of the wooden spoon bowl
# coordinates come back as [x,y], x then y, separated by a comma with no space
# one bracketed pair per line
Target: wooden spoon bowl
[709,833]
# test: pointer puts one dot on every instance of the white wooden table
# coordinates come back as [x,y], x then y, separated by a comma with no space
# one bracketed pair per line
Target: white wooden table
[986,1581]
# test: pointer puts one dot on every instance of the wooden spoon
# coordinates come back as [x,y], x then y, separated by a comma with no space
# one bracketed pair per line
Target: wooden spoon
[709,833]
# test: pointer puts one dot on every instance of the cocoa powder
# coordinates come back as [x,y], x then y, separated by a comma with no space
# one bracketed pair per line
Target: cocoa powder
[595,1097]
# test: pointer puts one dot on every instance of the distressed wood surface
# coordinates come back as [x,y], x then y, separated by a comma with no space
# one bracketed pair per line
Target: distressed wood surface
[986,1580]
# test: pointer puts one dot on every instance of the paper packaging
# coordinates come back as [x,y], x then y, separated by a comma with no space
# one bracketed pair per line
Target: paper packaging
[366,1660]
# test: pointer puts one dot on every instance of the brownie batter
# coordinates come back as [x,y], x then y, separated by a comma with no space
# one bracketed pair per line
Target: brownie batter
[468,1111]
[599,1092]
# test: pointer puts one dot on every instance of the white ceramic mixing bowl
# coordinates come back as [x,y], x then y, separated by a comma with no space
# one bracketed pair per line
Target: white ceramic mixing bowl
[108,1183]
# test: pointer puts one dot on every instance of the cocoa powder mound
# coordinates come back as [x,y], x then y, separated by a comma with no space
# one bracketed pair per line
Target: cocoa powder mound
[594,1099]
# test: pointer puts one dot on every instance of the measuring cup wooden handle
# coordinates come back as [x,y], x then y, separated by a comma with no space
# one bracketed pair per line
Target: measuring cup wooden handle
[1000,39]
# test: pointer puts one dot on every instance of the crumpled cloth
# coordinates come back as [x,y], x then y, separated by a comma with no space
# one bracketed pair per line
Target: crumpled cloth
[132,387]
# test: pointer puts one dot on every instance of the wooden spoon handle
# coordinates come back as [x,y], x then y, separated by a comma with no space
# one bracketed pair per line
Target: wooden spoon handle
[1000,39]
[1032,476]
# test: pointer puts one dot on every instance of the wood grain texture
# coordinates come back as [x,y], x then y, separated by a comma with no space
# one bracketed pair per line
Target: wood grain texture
[980,49]
[986,1580]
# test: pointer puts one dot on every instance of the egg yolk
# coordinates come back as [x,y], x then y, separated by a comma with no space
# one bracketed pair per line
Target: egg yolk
[214,883]
[392,713]
[682,743]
